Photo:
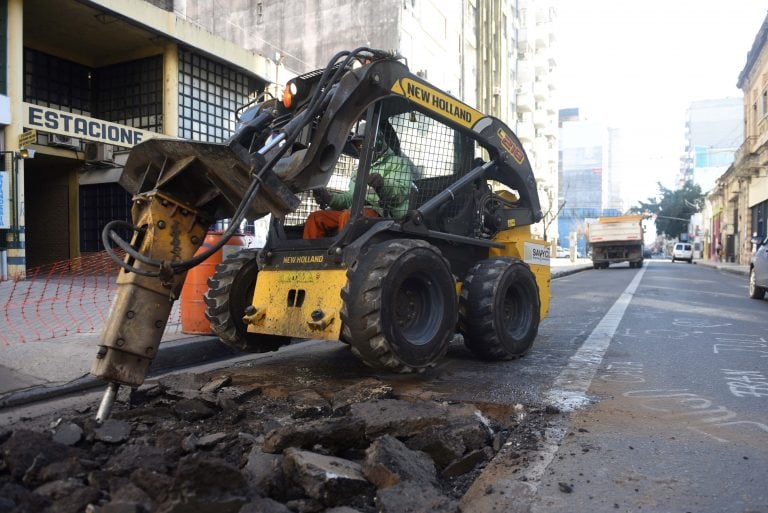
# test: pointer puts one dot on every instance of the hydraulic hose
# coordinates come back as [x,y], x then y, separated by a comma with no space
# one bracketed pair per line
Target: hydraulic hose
[289,134]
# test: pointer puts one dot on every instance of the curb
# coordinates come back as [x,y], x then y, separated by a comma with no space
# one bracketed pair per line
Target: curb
[568,272]
[733,269]
[173,354]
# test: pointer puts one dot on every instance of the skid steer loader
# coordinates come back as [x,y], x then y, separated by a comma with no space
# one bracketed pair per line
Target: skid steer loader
[396,286]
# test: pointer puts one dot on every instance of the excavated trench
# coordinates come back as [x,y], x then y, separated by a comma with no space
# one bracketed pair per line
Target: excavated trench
[299,434]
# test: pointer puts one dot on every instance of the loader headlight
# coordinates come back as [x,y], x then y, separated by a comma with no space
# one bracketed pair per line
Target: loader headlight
[288,93]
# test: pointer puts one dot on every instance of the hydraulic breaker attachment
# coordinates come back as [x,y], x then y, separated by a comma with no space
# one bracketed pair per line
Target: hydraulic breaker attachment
[167,231]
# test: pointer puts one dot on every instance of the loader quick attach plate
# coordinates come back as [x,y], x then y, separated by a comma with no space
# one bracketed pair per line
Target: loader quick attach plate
[302,303]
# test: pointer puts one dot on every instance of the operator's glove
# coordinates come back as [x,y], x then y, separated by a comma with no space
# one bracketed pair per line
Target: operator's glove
[322,196]
[376,181]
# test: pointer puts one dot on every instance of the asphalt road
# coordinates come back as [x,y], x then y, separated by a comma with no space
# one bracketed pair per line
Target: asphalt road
[660,375]
[677,403]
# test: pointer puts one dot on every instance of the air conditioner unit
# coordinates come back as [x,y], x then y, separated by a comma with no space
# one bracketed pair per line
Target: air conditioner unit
[64,141]
[98,151]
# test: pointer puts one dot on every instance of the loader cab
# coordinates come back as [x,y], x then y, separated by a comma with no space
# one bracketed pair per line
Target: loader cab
[436,154]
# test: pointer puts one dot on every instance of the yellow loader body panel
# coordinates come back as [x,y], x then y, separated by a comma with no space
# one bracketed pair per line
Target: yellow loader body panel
[518,243]
[298,303]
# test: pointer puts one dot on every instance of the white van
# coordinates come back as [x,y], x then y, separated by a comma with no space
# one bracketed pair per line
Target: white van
[683,251]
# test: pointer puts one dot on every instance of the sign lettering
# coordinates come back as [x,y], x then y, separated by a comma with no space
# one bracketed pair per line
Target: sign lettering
[304,259]
[536,254]
[69,124]
[438,102]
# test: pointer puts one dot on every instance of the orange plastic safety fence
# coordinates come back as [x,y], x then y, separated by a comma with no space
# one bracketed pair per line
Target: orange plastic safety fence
[62,299]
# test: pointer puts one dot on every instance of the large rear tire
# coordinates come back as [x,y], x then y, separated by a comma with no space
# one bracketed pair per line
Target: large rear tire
[400,308]
[230,292]
[499,309]
[755,290]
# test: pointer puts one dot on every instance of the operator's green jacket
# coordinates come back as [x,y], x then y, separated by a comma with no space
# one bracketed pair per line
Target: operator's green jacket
[397,173]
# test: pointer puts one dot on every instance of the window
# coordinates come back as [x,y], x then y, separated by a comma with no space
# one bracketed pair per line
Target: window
[765,102]
[56,83]
[131,93]
[759,218]
[209,95]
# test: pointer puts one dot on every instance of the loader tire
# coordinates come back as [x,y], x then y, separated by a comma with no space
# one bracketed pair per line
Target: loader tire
[499,309]
[230,291]
[399,306]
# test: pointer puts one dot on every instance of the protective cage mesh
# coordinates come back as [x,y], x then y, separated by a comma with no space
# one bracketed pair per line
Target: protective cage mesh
[439,156]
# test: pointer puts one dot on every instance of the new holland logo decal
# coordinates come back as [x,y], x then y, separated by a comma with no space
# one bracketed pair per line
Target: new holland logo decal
[437,102]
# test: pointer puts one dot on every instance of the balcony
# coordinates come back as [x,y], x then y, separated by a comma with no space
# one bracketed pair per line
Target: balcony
[541,40]
[540,91]
[540,119]
[746,151]
[541,63]
[549,130]
[523,41]
[524,71]
[526,133]
[525,102]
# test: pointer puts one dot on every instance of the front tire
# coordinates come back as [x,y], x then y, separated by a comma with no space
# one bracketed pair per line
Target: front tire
[230,291]
[755,291]
[500,309]
[400,308]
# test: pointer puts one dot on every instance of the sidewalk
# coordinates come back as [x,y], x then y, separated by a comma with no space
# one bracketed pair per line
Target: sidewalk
[725,266]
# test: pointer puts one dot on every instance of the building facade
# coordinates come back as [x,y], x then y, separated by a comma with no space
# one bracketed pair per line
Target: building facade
[714,130]
[496,55]
[737,205]
[535,106]
[85,81]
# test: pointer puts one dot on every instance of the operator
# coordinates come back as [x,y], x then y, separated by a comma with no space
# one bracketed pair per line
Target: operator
[389,182]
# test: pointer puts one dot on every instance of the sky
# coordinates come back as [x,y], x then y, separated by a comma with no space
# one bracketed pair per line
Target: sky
[637,66]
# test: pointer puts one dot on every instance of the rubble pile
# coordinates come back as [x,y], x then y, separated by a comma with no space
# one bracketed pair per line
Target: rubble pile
[189,445]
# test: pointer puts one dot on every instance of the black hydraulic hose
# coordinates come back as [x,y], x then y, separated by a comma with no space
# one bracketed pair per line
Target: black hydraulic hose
[306,117]
[108,234]
[322,92]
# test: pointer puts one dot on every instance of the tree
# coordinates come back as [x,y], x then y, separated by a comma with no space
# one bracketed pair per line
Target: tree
[552,210]
[673,209]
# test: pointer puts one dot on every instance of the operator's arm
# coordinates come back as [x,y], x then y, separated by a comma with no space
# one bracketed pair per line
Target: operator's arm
[394,187]
[343,200]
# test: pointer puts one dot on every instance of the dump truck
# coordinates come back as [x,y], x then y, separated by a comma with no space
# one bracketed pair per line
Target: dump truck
[447,250]
[616,239]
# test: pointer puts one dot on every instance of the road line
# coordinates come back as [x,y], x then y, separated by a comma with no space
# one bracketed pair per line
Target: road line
[499,487]
[569,390]
[570,387]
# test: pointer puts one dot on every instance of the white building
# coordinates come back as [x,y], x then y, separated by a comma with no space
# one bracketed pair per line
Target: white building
[714,131]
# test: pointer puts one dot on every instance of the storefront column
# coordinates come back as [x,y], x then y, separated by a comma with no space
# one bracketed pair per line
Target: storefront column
[171,90]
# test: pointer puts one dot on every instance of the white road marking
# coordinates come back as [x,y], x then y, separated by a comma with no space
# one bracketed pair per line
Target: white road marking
[569,390]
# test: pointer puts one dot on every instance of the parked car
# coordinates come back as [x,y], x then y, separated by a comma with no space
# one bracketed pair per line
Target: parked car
[682,251]
[562,252]
[758,270]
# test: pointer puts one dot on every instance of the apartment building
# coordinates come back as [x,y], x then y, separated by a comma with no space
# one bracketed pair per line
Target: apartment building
[737,205]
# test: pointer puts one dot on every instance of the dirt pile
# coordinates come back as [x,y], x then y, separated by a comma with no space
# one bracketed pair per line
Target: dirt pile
[191,444]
